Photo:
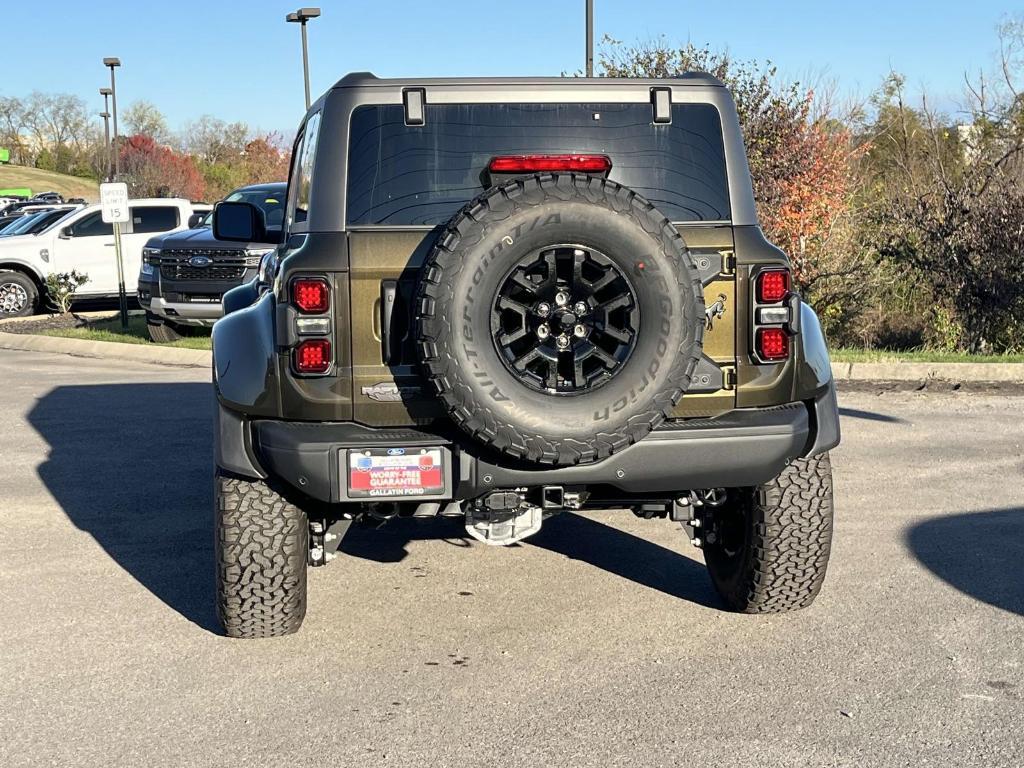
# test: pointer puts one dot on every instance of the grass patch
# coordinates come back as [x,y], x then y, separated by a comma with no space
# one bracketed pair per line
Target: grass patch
[916,356]
[110,330]
[46,181]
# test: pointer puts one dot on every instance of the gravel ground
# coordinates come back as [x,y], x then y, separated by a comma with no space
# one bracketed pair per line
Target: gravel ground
[597,643]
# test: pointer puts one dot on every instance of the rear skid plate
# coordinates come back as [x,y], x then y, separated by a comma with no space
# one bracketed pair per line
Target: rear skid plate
[501,527]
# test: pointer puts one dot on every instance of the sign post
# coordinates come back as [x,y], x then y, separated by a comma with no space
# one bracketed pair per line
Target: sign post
[114,210]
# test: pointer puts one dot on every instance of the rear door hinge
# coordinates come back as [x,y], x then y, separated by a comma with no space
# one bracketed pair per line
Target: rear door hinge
[728,262]
[728,377]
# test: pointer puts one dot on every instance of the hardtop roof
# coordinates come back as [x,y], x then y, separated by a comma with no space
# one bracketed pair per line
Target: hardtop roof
[368,79]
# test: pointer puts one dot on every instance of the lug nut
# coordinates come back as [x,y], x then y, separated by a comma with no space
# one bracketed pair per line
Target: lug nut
[579,330]
[697,543]
[543,331]
[580,308]
[562,341]
[543,309]
[561,298]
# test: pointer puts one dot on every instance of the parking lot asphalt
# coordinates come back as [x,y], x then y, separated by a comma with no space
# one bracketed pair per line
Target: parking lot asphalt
[597,643]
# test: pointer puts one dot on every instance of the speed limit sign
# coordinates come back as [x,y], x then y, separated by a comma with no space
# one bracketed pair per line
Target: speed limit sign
[114,203]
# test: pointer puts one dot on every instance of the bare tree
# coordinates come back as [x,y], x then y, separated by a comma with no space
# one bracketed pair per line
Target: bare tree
[143,118]
[215,141]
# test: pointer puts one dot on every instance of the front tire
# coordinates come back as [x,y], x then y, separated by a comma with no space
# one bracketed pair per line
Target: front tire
[261,545]
[162,331]
[771,543]
[19,296]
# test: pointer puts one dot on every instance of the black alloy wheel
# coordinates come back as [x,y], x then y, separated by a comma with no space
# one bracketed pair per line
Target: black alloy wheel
[565,319]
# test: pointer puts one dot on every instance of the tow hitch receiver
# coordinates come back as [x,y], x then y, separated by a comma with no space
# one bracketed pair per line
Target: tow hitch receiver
[503,517]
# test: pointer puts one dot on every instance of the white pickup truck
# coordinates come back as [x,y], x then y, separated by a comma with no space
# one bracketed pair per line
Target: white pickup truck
[81,241]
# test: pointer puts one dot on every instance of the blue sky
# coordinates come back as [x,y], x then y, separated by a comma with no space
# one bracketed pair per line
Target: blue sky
[241,61]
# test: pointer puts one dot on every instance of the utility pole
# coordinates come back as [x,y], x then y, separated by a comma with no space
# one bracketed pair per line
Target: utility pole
[301,16]
[105,114]
[113,63]
[590,38]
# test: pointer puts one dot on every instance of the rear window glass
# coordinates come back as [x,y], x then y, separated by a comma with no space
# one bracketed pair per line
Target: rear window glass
[154,219]
[402,175]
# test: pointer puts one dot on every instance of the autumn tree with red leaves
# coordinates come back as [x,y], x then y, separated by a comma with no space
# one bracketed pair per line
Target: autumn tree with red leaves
[802,166]
[154,170]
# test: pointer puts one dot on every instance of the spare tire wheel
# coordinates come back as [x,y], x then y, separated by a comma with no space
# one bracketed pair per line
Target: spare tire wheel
[560,318]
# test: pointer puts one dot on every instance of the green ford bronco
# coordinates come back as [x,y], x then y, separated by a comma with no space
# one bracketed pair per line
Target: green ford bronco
[501,299]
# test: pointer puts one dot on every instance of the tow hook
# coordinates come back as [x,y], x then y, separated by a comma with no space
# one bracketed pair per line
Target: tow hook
[695,510]
[325,540]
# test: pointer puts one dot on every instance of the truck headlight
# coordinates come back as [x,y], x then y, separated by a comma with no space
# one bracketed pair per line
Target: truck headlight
[150,256]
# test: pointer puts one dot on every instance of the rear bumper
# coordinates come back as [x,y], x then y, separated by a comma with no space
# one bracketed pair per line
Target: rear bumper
[744,447]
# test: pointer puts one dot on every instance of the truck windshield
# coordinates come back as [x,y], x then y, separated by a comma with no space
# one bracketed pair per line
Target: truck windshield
[271,202]
[402,175]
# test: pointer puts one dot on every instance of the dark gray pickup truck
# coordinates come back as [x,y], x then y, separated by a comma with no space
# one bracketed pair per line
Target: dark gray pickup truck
[185,274]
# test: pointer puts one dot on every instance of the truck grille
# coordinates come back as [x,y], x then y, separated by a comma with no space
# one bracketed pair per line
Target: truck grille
[224,264]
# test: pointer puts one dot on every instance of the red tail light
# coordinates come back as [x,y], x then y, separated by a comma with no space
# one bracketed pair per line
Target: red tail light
[772,285]
[772,344]
[311,295]
[313,356]
[541,163]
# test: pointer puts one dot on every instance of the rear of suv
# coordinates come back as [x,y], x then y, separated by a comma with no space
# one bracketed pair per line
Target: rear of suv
[504,299]
[185,274]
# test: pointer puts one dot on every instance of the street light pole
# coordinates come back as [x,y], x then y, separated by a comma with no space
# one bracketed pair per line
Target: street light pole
[590,38]
[114,63]
[301,16]
[106,140]
[105,114]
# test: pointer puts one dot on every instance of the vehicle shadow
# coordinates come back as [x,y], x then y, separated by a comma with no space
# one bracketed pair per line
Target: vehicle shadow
[130,464]
[856,413]
[978,553]
[574,536]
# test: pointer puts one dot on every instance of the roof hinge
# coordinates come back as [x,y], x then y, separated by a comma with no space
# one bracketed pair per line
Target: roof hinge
[414,100]
[661,101]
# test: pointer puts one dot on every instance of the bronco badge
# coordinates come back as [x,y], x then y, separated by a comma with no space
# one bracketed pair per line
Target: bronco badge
[715,311]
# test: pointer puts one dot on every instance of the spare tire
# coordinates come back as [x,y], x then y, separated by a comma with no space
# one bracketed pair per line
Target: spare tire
[560,318]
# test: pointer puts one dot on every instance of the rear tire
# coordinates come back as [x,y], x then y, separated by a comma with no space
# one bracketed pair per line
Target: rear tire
[261,546]
[772,543]
[162,331]
[19,296]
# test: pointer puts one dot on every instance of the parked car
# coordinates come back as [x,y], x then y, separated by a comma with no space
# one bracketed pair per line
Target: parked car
[185,274]
[503,299]
[9,218]
[83,242]
[48,197]
[33,223]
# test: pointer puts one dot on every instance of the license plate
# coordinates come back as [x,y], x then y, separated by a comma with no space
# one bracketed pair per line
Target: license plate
[203,299]
[395,472]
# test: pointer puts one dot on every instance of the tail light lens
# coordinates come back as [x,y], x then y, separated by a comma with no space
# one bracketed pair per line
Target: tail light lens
[550,163]
[311,295]
[772,344]
[313,356]
[772,285]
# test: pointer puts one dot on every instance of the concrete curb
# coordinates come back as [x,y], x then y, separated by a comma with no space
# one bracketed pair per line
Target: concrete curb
[951,372]
[109,350]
